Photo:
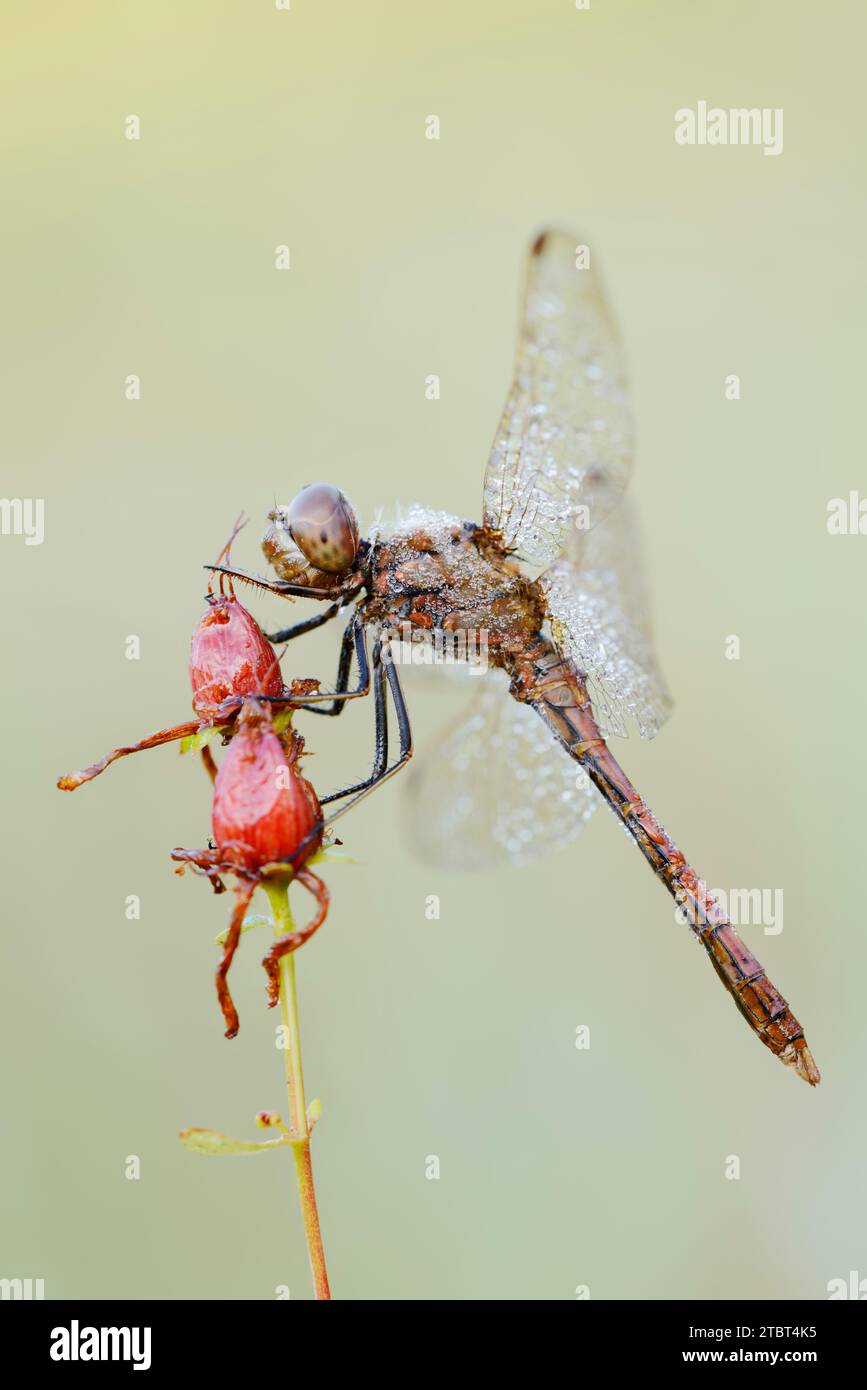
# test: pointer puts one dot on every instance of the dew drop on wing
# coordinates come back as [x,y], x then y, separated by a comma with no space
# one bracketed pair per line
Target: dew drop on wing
[494,787]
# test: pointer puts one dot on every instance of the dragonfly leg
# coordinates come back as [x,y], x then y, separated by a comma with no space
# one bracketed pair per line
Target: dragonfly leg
[281,587]
[286,634]
[380,755]
[380,774]
[292,940]
[354,639]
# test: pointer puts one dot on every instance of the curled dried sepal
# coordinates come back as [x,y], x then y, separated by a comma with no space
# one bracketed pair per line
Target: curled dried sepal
[325,855]
[70,781]
[210,1141]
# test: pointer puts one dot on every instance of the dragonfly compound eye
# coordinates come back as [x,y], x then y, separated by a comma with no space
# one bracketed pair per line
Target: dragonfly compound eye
[322,525]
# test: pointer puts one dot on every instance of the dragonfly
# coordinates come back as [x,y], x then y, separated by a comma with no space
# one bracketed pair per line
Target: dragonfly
[549,586]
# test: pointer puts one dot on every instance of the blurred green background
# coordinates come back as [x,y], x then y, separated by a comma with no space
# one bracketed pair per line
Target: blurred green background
[455,1037]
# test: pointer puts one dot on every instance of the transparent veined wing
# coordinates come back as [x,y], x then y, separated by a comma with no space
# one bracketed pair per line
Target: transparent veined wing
[495,787]
[599,616]
[563,447]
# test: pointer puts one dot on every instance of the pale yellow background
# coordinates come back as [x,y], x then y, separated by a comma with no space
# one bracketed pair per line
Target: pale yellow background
[456,1037]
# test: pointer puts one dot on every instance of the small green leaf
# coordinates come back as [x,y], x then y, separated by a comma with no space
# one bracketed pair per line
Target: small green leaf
[282,719]
[331,856]
[210,1141]
[193,743]
[257,920]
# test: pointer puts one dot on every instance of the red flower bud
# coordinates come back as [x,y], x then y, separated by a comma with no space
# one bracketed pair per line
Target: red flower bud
[264,810]
[230,656]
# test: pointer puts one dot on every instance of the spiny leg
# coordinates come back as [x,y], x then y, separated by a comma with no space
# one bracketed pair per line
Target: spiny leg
[75,779]
[292,940]
[354,638]
[380,753]
[281,587]
[377,778]
[244,893]
[286,634]
[380,773]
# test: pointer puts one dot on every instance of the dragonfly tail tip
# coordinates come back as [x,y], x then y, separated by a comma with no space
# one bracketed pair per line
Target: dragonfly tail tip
[802,1060]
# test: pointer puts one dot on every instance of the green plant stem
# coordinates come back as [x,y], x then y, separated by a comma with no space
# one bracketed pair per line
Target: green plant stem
[278,894]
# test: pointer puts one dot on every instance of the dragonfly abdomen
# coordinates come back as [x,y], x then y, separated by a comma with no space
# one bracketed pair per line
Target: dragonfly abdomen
[556,690]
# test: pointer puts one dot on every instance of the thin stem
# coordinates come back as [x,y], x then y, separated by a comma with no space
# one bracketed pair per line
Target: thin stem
[292,1050]
[278,894]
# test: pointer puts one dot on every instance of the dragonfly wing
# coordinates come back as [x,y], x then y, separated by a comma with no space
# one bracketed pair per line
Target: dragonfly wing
[495,788]
[599,617]
[563,448]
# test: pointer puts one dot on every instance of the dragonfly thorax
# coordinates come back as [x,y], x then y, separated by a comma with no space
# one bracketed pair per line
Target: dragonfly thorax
[439,574]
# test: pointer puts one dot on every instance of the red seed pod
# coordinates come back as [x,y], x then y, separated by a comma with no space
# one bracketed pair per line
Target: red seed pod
[264,810]
[230,656]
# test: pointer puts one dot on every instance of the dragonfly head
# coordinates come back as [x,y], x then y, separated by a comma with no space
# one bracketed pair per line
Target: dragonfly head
[322,524]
